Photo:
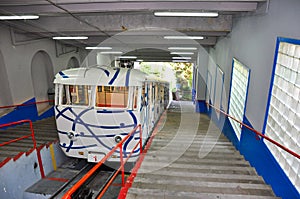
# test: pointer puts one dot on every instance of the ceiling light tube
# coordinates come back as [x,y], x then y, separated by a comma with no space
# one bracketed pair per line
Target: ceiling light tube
[182,48]
[97,48]
[69,38]
[186,14]
[183,37]
[181,53]
[111,52]
[127,57]
[22,17]
[181,58]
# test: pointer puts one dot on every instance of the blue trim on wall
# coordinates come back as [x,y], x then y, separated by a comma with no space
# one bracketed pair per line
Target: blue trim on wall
[201,106]
[26,112]
[257,153]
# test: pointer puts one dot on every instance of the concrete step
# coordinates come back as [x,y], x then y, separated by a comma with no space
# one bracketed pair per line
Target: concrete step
[136,193]
[192,160]
[15,148]
[205,165]
[201,178]
[10,153]
[45,132]
[27,131]
[197,137]
[192,175]
[202,168]
[190,157]
[204,187]
[195,141]
[24,141]
[49,136]
[195,148]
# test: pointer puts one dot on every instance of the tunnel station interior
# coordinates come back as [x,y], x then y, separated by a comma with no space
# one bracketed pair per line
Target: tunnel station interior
[244,57]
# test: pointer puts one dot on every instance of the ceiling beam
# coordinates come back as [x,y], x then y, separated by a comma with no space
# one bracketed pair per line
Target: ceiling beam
[120,6]
[120,23]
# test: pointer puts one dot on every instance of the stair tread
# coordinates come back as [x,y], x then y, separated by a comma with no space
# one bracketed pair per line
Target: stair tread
[135,193]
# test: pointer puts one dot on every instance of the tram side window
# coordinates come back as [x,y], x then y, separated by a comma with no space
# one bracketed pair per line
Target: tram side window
[144,96]
[112,96]
[135,97]
[76,95]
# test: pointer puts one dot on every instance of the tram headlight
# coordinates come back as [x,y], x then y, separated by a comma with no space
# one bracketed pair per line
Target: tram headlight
[118,138]
[71,136]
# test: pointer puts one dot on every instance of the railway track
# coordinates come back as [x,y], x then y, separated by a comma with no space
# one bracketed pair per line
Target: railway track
[57,183]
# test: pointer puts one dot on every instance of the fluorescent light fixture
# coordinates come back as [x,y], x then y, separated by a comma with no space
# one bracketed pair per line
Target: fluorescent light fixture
[186,14]
[181,58]
[97,48]
[111,52]
[69,38]
[183,37]
[139,60]
[127,57]
[181,53]
[179,61]
[22,17]
[182,48]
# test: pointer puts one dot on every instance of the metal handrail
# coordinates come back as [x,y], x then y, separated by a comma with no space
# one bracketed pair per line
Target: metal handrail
[24,137]
[70,192]
[26,104]
[257,132]
[130,179]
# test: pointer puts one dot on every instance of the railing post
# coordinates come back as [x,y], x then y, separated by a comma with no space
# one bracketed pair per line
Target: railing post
[32,133]
[122,165]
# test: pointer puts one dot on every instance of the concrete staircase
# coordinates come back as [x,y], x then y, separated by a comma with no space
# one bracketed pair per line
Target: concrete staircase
[188,162]
[45,133]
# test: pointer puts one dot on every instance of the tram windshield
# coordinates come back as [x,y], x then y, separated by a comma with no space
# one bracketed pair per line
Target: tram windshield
[75,95]
[112,96]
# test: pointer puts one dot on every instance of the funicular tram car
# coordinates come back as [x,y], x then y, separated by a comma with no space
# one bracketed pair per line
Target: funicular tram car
[96,107]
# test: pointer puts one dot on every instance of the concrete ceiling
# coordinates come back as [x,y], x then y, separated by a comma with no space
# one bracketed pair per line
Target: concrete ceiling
[126,25]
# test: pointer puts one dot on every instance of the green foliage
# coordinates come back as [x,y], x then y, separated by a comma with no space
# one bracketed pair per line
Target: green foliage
[176,73]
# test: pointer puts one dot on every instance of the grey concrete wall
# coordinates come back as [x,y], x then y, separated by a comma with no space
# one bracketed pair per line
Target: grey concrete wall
[252,41]
[17,59]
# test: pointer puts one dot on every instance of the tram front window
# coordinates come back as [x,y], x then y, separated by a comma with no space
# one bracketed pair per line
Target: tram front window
[75,95]
[112,96]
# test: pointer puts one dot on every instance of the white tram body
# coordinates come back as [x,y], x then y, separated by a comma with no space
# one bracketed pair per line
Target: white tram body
[96,107]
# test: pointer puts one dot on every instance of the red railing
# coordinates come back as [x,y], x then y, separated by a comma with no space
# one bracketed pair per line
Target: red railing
[26,104]
[25,137]
[119,146]
[257,132]
[130,179]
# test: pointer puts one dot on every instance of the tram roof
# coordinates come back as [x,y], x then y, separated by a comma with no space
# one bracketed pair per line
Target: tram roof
[105,76]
